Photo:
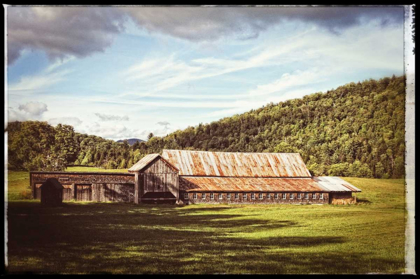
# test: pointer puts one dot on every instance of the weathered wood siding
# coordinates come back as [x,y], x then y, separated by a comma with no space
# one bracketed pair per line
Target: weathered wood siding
[68,193]
[265,199]
[160,177]
[100,187]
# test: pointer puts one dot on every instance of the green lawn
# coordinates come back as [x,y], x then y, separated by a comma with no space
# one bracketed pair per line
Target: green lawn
[94,169]
[127,238]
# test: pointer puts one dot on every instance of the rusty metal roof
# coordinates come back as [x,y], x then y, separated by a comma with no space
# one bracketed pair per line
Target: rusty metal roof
[236,164]
[335,184]
[143,162]
[248,184]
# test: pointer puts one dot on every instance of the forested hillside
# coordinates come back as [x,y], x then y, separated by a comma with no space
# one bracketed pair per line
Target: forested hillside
[354,130]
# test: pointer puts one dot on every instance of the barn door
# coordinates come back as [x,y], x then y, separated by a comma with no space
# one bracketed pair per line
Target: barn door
[84,192]
[67,192]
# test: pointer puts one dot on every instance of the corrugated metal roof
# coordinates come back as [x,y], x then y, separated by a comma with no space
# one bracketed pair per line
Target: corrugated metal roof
[236,164]
[248,184]
[143,162]
[335,184]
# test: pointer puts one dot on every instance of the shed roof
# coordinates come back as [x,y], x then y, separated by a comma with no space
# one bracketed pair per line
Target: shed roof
[143,162]
[236,164]
[52,182]
[252,184]
[335,184]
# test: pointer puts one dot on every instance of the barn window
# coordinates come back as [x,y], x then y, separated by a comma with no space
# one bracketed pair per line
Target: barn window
[321,196]
[220,196]
[313,196]
[276,195]
[260,196]
[306,196]
[245,197]
[195,195]
[299,196]
[228,196]
[292,196]
[212,196]
[236,196]
[268,195]
[203,196]
[185,195]
[284,196]
[253,196]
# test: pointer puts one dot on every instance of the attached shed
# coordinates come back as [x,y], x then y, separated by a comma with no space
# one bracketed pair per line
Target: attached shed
[51,192]
[155,180]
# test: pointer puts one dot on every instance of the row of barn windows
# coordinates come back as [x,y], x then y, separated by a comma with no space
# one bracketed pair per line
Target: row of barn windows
[260,196]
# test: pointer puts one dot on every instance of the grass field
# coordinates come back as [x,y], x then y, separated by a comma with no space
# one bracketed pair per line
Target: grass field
[128,238]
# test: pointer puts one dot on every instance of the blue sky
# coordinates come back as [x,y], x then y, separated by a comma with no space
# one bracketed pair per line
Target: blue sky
[123,72]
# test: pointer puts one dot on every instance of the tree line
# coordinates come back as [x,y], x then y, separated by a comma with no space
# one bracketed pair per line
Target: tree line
[354,130]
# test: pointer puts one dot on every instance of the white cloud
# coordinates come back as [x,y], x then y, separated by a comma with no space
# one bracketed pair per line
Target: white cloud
[154,75]
[108,131]
[110,117]
[13,115]
[34,108]
[27,111]
[82,31]
[288,81]
[73,121]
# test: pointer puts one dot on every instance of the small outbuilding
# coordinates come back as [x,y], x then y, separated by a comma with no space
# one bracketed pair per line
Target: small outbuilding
[51,192]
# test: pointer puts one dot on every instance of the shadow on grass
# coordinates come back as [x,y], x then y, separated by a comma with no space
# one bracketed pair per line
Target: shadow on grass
[363,201]
[126,238]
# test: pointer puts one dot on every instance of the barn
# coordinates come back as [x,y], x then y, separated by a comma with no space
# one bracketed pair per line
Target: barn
[206,177]
[234,177]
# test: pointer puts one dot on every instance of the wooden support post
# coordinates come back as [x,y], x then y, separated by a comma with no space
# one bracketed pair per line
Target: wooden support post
[177,187]
[136,188]
[33,190]
[74,191]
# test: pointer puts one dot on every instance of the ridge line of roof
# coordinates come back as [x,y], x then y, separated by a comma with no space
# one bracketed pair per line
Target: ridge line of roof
[231,152]
[276,177]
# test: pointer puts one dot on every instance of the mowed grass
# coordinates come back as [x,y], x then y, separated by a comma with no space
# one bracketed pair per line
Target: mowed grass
[287,239]
[94,169]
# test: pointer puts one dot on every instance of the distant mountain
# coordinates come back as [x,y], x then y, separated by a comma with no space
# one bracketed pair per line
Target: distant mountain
[131,141]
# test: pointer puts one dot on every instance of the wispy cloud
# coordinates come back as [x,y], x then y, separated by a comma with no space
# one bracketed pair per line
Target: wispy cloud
[73,121]
[39,82]
[288,81]
[114,132]
[110,117]
[160,74]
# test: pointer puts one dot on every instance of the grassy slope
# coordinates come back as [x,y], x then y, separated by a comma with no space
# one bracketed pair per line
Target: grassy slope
[128,238]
